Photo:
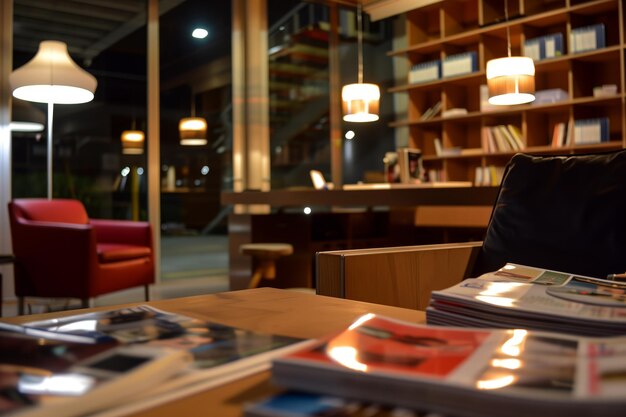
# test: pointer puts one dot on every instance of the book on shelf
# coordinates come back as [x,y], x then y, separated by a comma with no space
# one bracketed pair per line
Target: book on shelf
[559,135]
[533,298]
[489,175]
[431,111]
[587,38]
[502,138]
[544,47]
[46,374]
[441,151]
[218,353]
[590,131]
[459,64]
[411,167]
[462,371]
[425,72]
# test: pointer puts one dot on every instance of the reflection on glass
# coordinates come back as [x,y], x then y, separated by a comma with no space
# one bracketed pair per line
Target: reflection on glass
[60,384]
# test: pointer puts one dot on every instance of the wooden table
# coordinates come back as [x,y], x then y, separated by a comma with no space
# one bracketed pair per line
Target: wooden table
[271,310]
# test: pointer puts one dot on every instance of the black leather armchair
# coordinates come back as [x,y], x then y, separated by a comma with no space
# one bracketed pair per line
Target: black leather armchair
[565,213]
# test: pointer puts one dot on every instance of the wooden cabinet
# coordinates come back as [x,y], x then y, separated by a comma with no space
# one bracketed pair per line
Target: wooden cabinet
[452,27]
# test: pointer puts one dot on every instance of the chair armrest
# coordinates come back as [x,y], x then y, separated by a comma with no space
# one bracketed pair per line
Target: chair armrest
[64,252]
[122,231]
[400,276]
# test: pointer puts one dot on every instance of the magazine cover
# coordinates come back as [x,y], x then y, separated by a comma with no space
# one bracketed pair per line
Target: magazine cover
[53,377]
[210,343]
[537,298]
[304,404]
[462,371]
[220,353]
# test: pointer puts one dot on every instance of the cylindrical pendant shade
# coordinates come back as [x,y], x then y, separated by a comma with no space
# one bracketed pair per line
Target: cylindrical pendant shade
[511,80]
[53,77]
[132,142]
[360,102]
[192,131]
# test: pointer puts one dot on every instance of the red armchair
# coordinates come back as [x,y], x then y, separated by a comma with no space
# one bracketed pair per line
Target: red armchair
[60,252]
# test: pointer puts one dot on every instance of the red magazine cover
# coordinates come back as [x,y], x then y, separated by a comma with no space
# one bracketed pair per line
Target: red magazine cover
[376,344]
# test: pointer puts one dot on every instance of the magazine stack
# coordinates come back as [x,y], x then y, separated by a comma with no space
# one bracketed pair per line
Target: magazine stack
[460,371]
[518,296]
[122,361]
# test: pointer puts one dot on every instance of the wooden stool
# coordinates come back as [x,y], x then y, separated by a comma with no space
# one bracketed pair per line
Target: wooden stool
[264,256]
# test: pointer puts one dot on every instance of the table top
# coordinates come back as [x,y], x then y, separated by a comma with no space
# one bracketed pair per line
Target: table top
[283,312]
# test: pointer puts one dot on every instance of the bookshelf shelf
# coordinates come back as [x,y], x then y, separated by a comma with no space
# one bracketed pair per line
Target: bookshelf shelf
[452,27]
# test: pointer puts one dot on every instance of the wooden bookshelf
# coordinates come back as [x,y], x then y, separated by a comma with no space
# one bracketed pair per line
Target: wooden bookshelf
[457,26]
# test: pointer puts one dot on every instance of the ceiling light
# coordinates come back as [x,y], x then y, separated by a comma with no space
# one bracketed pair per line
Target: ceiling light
[360,101]
[510,80]
[200,33]
[192,131]
[132,142]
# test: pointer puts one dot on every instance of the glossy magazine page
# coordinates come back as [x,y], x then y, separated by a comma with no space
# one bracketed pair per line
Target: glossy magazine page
[549,300]
[45,377]
[462,371]
[220,353]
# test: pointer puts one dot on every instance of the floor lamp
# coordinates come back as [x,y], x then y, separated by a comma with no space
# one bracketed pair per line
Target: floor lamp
[52,77]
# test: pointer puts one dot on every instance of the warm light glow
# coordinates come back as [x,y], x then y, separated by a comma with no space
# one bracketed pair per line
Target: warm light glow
[496,301]
[200,33]
[307,210]
[360,102]
[26,127]
[132,142]
[364,318]
[53,77]
[192,123]
[511,80]
[510,363]
[512,347]
[192,131]
[349,134]
[346,356]
[132,136]
[495,383]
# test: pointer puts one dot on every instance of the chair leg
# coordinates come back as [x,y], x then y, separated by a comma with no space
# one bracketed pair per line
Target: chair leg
[256,278]
[20,306]
[147,292]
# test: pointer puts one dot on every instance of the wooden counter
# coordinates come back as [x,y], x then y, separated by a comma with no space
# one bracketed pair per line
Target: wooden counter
[406,215]
[402,196]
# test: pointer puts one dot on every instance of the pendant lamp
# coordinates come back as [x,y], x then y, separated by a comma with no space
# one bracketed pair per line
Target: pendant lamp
[360,100]
[510,80]
[132,142]
[52,77]
[192,131]
[26,118]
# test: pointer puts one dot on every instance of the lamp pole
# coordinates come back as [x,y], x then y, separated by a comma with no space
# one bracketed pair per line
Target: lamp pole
[49,156]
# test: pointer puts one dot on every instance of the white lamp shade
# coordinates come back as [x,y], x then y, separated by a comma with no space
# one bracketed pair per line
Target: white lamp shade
[511,80]
[192,131]
[53,77]
[360,102]
[26,117]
